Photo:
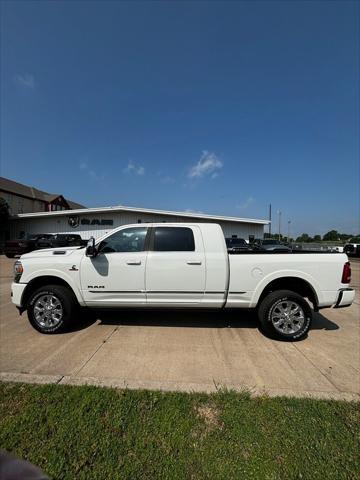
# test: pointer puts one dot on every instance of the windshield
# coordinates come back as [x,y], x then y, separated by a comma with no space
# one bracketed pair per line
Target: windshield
[36,236]
[235,242]
[238,241]
[270,242]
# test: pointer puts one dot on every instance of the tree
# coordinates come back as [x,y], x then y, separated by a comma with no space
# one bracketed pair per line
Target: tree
[4,210]
[304,238]
[345,236]
[317,238]
[274,236]
[331,236]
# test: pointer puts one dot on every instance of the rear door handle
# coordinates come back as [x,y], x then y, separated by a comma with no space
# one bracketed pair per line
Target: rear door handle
[194,262]
[133,262]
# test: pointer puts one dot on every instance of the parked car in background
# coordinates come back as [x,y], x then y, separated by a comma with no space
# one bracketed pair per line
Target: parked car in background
[236,245]
[24,245]
[270,245]
[60,240]
[352,248]
[337,248]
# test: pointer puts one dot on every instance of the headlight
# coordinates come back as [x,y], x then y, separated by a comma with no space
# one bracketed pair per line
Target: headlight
[18,270]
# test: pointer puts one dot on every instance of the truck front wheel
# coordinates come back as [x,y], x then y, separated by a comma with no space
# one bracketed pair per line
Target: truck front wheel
[285,315]
[50,308]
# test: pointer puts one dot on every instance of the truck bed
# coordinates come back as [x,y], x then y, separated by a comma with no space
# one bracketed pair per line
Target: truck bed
[251,271]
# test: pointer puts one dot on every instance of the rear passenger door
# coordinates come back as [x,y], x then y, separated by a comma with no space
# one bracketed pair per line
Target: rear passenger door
[175,268]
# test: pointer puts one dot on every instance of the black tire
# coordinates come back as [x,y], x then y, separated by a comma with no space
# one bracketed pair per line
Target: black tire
[64,296]
[9,255]
[269,311]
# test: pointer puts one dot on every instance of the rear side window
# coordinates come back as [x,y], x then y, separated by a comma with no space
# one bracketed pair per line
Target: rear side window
[173,239]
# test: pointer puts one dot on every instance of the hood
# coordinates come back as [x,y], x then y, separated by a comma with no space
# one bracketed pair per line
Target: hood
[59,252]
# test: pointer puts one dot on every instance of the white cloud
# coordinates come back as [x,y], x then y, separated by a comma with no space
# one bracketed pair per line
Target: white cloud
[249,201]
[130,167]
[208,164]
[133,168]
[27,80]
[95,176]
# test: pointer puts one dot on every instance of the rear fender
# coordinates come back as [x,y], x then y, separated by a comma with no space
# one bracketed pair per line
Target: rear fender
[281,275]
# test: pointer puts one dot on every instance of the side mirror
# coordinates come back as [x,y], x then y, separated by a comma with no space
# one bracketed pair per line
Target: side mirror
[90,248]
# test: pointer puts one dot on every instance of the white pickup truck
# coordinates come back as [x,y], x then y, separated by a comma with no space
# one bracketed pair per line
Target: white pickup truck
[179,265]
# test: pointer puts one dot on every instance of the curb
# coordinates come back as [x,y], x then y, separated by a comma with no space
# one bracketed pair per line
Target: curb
[175,386]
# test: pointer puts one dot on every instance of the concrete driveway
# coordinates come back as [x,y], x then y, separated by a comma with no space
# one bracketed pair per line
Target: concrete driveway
[191,351]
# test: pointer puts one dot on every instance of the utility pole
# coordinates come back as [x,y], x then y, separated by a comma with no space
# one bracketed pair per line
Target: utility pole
[288,238]
[279,213]
[270,220]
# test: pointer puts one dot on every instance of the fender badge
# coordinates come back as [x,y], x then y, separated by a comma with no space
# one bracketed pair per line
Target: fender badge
[73,269]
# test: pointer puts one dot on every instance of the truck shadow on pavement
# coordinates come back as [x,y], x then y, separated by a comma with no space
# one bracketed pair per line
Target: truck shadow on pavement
[183,318]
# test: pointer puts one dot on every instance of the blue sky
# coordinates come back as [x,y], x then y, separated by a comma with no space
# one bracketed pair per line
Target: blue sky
[218,107]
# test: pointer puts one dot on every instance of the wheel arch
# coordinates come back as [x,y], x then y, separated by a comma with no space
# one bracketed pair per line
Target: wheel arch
[38,282]
[296,284]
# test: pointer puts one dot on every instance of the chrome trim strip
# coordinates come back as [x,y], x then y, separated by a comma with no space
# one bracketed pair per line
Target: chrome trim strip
[154,291]
[115,291]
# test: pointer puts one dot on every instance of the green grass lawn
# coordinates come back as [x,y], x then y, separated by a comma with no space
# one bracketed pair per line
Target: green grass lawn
[100,433]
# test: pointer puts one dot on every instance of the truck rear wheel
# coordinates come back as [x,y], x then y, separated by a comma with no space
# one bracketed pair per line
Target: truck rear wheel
[285,315]
[50,308]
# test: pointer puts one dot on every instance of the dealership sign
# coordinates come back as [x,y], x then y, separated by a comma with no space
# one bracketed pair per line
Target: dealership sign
[75,221]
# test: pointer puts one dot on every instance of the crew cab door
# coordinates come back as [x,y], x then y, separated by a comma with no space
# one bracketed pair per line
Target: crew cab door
[175,269]
[116,276]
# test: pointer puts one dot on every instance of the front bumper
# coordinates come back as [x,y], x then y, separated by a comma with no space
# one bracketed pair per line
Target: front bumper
[345,298]
[17,290]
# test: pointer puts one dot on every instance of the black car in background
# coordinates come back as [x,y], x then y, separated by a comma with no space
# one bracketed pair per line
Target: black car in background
[270,245]
[235,245]
[61,240]
[352,247]
[24,245]
[41,240]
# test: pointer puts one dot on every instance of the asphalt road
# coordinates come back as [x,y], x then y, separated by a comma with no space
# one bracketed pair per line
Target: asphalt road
[190,351]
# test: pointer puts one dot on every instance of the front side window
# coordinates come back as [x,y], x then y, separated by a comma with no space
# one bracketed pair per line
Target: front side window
[174,239]
[127,240]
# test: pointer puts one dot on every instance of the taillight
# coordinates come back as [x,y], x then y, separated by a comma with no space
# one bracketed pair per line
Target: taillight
[346,276]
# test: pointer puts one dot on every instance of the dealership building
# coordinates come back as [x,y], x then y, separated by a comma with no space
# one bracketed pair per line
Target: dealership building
[96,222]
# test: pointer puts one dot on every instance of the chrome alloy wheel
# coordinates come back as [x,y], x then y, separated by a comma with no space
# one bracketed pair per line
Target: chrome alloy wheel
[48,311]
[287,317]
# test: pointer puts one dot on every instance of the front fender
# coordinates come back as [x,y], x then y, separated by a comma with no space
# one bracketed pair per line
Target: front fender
[71,279]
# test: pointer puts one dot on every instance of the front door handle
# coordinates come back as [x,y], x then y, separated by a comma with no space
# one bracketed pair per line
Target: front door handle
[194,262]
[133,262]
